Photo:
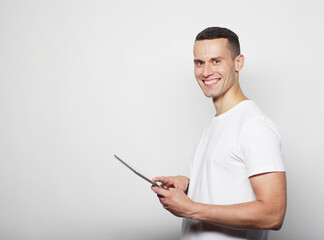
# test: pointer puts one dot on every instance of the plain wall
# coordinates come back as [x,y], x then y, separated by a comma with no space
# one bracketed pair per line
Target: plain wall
[83,80]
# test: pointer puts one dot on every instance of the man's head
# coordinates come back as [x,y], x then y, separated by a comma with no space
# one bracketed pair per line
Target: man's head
[217,62]
[218,32]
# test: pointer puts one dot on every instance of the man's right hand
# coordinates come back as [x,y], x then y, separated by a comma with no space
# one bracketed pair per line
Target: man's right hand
[178,182]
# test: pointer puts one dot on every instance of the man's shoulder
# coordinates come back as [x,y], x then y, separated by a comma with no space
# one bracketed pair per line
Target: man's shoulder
[251,117]
[254,121]
[248,111]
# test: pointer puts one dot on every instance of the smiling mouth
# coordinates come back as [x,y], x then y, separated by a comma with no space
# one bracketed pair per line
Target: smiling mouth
[211,82]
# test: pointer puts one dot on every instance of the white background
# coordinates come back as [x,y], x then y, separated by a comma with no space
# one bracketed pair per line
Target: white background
[83,80]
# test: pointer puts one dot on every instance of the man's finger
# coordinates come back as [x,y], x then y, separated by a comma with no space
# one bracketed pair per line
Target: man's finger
[159,179]
[160,191]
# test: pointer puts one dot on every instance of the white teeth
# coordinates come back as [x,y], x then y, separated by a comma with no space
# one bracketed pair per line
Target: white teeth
[210,82]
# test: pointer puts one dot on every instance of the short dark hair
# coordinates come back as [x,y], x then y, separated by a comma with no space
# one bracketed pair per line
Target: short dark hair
[219,32]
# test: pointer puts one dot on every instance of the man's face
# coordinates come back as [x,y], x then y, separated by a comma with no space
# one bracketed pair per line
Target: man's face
[214,67]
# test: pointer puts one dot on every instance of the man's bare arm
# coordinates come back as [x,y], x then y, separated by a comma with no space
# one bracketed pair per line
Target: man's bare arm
[266,212]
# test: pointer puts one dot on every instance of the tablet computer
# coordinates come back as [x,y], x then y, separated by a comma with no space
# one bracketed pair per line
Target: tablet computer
[137,173]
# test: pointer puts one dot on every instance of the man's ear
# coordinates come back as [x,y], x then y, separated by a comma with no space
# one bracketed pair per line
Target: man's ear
[239,62]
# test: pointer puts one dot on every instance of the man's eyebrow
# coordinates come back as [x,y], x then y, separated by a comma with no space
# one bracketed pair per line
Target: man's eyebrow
[216,58]
[211,59]
[198,61]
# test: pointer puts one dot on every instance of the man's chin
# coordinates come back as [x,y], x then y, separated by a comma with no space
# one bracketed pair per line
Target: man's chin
[208,92]
[209,95]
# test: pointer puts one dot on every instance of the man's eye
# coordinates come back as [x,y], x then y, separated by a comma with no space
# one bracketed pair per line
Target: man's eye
[216,61]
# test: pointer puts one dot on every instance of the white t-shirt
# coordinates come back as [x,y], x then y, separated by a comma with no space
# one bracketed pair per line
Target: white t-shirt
[237,144]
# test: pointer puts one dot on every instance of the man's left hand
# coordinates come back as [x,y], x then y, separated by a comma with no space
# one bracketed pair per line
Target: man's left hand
[175,201]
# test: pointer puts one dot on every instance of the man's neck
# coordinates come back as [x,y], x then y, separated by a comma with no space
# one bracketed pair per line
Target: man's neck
[227,101]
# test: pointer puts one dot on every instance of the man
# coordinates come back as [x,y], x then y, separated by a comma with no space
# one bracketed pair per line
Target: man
[237,186]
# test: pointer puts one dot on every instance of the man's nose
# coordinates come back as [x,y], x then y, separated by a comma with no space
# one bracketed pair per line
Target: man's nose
[208,70]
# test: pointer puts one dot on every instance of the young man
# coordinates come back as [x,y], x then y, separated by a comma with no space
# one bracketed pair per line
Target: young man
[237,186]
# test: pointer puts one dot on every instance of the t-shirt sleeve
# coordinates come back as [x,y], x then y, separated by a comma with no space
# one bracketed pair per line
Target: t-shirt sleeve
[260,145]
